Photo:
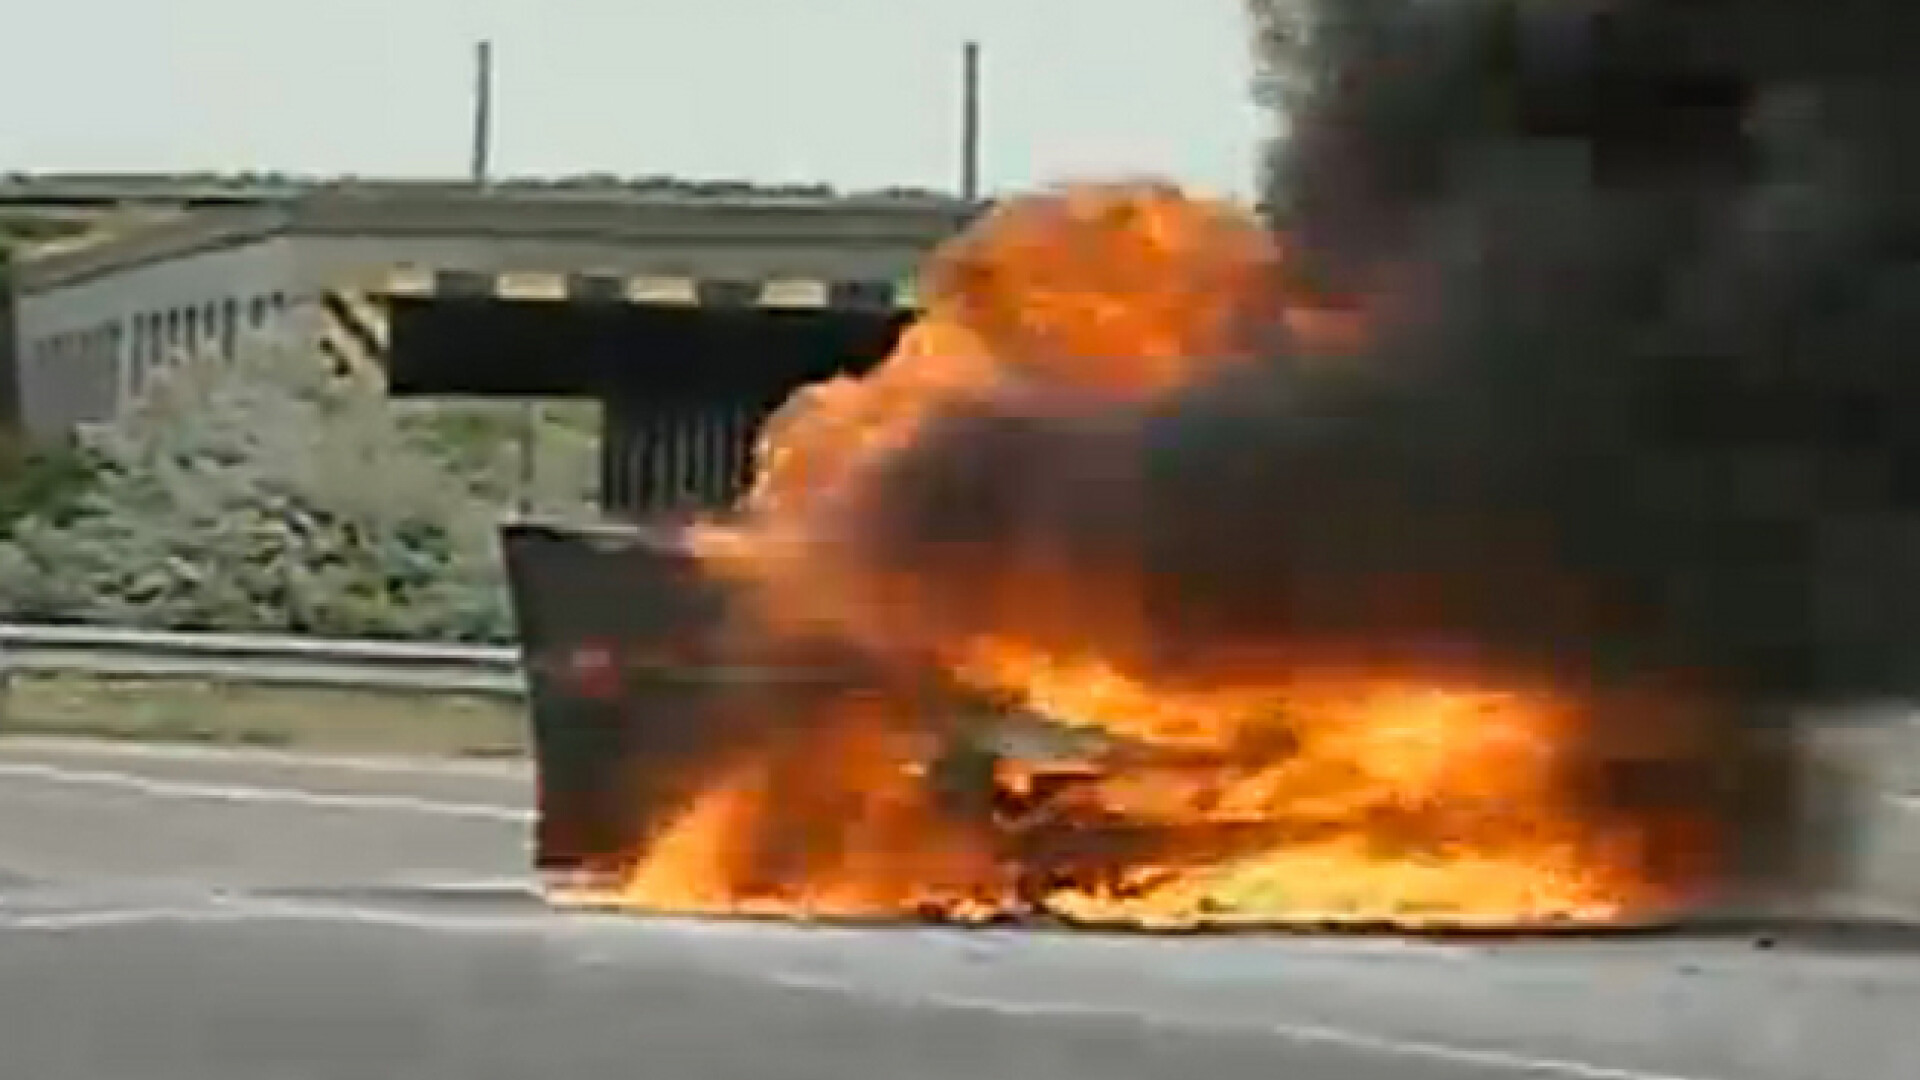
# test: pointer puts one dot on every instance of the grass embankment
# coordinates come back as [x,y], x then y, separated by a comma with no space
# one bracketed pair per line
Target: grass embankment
[324,720]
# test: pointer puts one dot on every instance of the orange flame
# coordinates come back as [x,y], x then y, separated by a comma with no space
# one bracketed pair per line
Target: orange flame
[1118,290]
[1270,793]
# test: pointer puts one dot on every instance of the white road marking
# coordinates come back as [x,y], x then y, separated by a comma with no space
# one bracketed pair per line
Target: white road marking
[245,794]
[218,911]
[66,921]
[1316,1034]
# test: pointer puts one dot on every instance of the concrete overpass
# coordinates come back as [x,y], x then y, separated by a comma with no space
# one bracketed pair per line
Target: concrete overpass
[38,206]
[96,319]
[690,317]
[200,190]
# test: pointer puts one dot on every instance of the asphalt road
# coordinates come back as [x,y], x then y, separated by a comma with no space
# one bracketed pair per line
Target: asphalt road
[194,915]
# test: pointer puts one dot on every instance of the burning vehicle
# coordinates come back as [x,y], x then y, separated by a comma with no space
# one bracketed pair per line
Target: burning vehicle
[1446,546]
[693,767]
[938,723]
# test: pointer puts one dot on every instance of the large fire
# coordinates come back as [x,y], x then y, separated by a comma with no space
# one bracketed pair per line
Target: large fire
[1269,787]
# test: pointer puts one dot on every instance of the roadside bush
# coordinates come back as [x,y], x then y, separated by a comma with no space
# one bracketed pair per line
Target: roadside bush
[44,482]
[260,495]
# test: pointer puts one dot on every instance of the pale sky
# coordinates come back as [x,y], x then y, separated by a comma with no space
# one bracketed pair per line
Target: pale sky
[860,93]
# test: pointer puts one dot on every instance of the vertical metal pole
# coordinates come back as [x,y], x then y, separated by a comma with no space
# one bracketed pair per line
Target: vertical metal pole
[719,458]
[482,171]
[644,452]
[482,113]
[730,481]
[694,437]
[970,122]
[659,451]
[703,470]
[677,452]
[690,454]
[719,429]
[612,450]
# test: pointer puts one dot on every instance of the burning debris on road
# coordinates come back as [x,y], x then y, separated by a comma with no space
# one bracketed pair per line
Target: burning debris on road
[1434,553]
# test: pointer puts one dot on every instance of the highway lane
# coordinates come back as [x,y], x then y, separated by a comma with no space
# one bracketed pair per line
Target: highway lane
[231,916]
[76,813]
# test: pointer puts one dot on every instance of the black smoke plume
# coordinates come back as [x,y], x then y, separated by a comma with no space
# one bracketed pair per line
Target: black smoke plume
[1641,398]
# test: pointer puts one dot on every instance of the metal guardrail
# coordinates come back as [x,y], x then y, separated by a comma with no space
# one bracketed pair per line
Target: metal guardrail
[285,660]
[261,660]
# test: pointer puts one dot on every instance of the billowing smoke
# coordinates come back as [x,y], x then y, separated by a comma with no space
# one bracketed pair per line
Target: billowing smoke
[1637,398]
[1649,303]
